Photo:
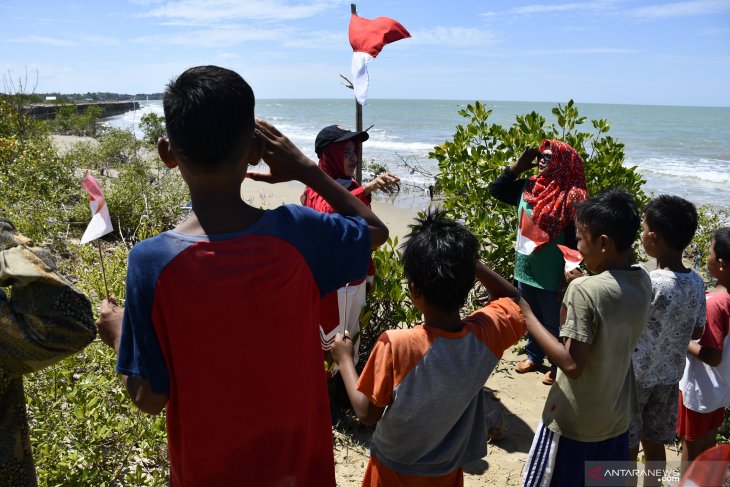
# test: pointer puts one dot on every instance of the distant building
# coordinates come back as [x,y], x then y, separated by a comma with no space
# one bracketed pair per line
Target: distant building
[50,98]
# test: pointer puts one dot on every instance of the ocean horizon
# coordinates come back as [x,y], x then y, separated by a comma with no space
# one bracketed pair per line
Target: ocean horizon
[679,150]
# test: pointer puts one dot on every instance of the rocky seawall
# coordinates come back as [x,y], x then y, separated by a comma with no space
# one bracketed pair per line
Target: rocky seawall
[47,111]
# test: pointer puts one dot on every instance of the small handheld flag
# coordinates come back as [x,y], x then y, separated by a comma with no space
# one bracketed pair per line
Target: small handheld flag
[367,38]
[529,235]
[572,257]
[100,223]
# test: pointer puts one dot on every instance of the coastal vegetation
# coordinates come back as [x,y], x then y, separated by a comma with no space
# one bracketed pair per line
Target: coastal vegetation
[84,430]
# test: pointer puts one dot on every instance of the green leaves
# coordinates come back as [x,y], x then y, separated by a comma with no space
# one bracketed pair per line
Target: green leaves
[153,127]
[478,151]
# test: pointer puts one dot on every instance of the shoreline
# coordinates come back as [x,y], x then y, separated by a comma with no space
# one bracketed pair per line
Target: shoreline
[407,203]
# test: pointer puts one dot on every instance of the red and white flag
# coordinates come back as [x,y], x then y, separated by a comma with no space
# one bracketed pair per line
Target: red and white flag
[101,223]
[367,38]
[529,235]
[572,257]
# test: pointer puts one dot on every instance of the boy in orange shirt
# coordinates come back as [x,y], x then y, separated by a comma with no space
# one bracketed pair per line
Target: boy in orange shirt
[423,386]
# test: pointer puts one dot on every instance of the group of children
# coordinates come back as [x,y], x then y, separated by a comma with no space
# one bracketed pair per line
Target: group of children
[221,318]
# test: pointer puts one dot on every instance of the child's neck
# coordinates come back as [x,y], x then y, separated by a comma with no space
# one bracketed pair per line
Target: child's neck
[721,287]
[671,261]
[619,261]
[219,212]
[443,320]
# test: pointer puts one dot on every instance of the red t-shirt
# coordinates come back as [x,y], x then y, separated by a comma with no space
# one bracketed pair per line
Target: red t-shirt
[227,327]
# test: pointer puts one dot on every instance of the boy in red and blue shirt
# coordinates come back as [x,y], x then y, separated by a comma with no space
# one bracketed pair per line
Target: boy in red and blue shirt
[222,313]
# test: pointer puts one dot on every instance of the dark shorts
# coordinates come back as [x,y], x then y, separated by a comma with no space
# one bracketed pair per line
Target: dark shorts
[563,461]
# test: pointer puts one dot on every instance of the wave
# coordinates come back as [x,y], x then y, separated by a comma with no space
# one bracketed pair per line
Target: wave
[702,170]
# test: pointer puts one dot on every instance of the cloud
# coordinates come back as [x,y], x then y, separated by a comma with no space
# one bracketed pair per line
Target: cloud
[452,37]
[714,32]
[212,11]
[682,9]
[220,36]
[98,41]
[318,40]
[48,41]
[576,51]
[539,9]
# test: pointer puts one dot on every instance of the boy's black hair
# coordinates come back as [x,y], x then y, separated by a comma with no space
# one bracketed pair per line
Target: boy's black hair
[722,243]
[612,213]
[439,259]
[673,218]
[209,116]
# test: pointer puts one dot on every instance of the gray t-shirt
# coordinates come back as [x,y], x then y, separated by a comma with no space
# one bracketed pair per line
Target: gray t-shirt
[607,311]
[677,308]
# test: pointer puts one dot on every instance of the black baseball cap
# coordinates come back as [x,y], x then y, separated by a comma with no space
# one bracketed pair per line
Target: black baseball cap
[336,133]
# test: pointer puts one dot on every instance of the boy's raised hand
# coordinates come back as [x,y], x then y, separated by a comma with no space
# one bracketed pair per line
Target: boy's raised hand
[286,162]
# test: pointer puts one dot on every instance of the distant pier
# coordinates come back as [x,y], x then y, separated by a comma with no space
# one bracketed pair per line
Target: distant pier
[47,111]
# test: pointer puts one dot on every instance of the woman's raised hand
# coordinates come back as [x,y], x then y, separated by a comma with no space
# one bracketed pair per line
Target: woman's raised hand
[386,182]
[527,161]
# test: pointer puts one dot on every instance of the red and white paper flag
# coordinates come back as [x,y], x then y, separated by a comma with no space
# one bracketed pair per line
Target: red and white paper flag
[572,257]
[529,235]
[100,223]
[367,38]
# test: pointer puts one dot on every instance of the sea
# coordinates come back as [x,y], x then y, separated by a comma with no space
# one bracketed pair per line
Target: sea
[679,150]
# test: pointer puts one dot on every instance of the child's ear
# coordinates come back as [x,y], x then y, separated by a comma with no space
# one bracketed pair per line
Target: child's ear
[414,290]
[164,149]
[605,242]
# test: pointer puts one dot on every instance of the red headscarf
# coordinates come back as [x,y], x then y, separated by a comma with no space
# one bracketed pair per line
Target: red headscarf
[332,162]
[554,192]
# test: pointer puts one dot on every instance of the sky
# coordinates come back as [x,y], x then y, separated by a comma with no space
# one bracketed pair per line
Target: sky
[603,51]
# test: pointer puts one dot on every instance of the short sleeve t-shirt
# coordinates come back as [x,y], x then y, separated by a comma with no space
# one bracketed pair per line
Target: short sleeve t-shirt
[677,308]
[706,388]
[227,327]
[430,382]
[607,311]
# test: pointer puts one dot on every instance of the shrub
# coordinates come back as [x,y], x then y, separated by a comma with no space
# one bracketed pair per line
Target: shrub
[479,151]
[389,303]
[153,127]
[709,220]
[115,148]
[37,187]
[69,121]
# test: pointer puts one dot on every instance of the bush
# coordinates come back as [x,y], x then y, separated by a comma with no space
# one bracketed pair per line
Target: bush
[709,220]
[113,149]
[479,151]
[389,303]
[69,121]
[37,187]
[84,428]
[153,127]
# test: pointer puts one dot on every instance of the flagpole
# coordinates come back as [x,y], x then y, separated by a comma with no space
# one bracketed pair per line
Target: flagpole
[358,121]
[103,270]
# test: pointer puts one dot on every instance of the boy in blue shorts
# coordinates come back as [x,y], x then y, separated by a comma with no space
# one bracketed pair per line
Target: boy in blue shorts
[587,411]
[221,323]
[677,312]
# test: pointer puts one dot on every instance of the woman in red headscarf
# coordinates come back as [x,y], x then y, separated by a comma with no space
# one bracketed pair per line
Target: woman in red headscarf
[545,203]
[338,149]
